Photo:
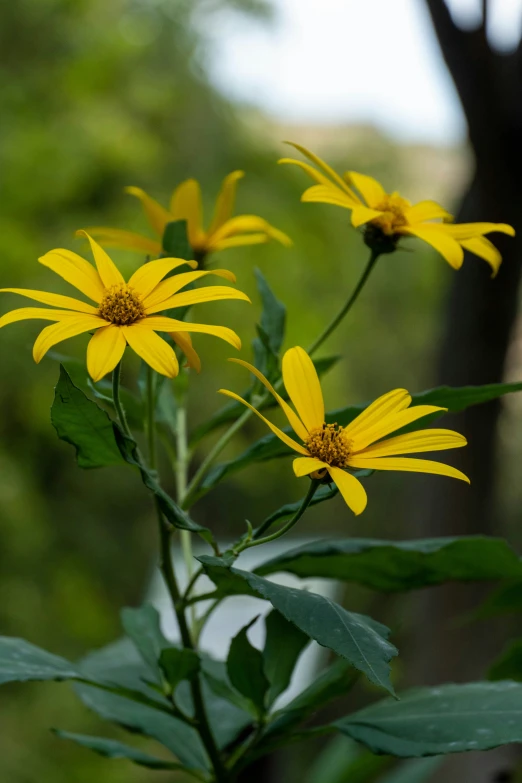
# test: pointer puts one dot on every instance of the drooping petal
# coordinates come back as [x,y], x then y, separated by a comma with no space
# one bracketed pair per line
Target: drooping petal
[105,350]
[328,194]
[415,443]
[280,434]
[408,465]
[294,420]
[362,215]
[468,230]
[303,386]
[392,423]
[317,176]
[40,313]
[148,276]
[370,189]
[157,353]
[186,204]
[157,215]
[211,293]
[241,240]
[171,285]
[242,224]
[225,201]
[392,402]
[184,341]
[107,269]
[426,210]
[55,333]
[483,248]
[161,323]
[76,271]
[435,236]
[127,240]
[303,466]
[330,173]
[351,489]
[56,300]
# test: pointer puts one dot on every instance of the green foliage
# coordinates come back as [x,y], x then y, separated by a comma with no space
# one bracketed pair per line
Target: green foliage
[271,332]
[508,665]
[21,661]
[246,670]
[175,240]
[142,626]
[283,645]
[431,721]
[400,565]
[178,665]
[113,749]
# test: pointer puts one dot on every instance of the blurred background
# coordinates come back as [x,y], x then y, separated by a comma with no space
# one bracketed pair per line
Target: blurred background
[99,94]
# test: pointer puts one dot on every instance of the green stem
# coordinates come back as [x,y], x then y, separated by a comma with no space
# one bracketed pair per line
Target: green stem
[227,436]
[151,422]
[116,379]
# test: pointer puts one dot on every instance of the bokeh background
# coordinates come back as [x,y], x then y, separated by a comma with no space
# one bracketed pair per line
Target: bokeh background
[99,94]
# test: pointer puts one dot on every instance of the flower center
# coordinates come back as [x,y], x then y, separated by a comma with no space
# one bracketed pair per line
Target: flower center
[394,207]
[329,444]
[121,306]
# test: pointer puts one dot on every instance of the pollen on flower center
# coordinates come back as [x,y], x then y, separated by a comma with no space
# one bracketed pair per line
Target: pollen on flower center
[329,444]
[393,207]
[121,306]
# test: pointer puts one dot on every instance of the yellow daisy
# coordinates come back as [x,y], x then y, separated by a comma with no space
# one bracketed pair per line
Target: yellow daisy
[388,216]
[224,231]
[328,451]
[124,313]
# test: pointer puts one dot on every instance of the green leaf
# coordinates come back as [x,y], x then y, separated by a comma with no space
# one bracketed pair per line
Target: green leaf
[509,664]
[117,750]
[400,565]
[178,665]
[344,760]
[121,664]
[173,513]
[283,645]
[143,627]
[175,240]
[432,721]
[505,599]
[21,661]
[413,771]
[273,315]
[245,669]
[80,422]
[359,639]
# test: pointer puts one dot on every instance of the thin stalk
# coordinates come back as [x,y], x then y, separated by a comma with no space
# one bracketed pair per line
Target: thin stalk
[120,411]
[151,422]
[227,436]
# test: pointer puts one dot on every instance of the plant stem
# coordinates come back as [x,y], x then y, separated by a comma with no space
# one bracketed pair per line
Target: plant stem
[116,378]
[245,416]
[151,422]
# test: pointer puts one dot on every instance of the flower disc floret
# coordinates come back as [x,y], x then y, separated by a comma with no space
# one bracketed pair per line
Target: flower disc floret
[329,444]
[121,305]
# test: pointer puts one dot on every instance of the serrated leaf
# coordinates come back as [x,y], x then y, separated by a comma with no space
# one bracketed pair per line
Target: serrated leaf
[284,643]
[245,669]
[433,721]
[143,627]
[178,665]
[400,565]
[80,422]
[273,315]
[118,750]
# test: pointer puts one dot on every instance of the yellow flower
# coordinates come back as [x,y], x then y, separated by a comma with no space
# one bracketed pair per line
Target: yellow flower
[328,450]
[225,231]
[125,313]
[387,216]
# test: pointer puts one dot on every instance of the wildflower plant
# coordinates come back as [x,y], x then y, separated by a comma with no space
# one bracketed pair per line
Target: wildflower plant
[215,718]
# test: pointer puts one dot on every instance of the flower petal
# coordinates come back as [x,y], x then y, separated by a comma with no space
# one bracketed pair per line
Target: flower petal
[61,331]
[76,271]
[313,173]
[294,420]
[392,423]
[40,313]
[226,200]
[148,276]
[153,349]
[409,465]
[392,402]
[242,224]
[211,293]
[370,189]
[330,173]
[157,215]
[161,323]
[171,285]
[280,434]
[361,215]
[436,236]
[303,386]
[128,240]
[426,210]
[351,489]
[241,240]
[303,466]
[184,341]
[185,204]
[483,248]
[56,300]
[415,442]
[468,230]
[105,350]
[107,269]
[328,194]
